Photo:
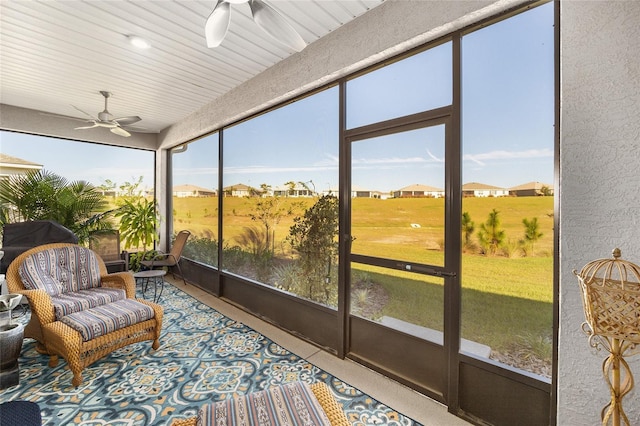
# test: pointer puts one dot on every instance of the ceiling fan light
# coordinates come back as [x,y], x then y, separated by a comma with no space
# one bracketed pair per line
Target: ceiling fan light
[138,42]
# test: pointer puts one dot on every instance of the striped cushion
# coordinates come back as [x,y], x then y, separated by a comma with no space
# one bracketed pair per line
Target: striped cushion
[61,269]
[76,301]
[101,320]
[35,278]
[291,404]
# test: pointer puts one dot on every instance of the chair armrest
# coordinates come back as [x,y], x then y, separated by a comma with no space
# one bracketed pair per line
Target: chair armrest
[123,280]
[40,304]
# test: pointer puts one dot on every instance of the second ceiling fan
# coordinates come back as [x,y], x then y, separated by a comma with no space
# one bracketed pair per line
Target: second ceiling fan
[264,15]
[105,119]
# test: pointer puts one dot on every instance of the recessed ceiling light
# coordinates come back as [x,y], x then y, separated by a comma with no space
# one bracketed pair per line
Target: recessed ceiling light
[138,42]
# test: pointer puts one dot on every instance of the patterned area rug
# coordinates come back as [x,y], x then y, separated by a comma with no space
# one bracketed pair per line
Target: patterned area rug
[204,357]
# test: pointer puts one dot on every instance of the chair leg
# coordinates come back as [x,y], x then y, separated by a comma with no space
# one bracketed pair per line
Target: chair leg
[181,274]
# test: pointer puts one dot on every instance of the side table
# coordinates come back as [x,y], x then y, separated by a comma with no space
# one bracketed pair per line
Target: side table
[154,276]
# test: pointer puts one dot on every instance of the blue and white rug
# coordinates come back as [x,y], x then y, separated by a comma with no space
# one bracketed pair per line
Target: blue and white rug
[204,357]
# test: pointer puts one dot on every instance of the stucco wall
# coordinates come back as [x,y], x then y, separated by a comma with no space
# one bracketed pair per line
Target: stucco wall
[600,180]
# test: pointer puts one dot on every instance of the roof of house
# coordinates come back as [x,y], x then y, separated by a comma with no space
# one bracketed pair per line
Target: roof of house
[237,187]
[419,187]
[9,160]
[191,188]
[474,186]
[530,185]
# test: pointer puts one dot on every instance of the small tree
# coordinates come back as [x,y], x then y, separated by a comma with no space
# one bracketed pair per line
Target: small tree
[491,235]
[269,212]
[531,231]
[468,226]
[314,237]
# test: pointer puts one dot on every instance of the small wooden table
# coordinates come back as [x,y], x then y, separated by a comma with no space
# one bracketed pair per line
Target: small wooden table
[151,275]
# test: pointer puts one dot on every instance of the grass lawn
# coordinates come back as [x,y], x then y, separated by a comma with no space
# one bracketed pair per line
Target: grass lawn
[503,298]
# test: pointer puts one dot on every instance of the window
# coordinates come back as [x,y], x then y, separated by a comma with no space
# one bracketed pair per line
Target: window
[124,177]
[418,83]
[280,175]
[508,174]
[195,197]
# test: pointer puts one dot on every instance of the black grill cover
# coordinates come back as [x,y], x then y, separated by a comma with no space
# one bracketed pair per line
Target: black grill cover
[20,237]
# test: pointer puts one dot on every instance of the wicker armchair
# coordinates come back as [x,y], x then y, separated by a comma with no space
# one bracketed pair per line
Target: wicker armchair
[71,286]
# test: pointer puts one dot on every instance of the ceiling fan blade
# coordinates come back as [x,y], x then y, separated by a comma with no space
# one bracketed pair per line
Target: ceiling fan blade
[123,121]
[86,127]
[218,24]
[276,25]
[85,113]
[68,117]
[120,132]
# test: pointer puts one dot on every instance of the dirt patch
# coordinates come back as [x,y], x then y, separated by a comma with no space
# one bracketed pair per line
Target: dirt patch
[368,299]
[527,362]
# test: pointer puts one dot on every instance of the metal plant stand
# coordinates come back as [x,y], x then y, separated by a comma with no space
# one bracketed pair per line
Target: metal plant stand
[611,300]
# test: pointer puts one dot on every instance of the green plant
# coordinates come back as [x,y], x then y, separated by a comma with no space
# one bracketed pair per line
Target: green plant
[491,235]
[531,231]
[313,236]
[468,226]
[202,249]
[138,223]
[43,195]
[135,259]
[286,276]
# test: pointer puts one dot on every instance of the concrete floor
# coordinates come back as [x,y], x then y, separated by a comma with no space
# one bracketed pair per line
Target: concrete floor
[391,393]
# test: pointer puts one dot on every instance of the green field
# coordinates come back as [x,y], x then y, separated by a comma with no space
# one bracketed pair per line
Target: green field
[506,300]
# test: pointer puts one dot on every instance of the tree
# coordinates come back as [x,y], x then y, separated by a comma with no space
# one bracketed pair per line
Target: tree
[314,237]
[43,195]
[269,212]
[531,231]
[131,189]
[490,235]
[291,185]
[468,226]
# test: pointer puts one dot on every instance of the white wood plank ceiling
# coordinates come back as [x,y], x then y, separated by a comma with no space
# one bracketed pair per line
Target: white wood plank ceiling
[55,55]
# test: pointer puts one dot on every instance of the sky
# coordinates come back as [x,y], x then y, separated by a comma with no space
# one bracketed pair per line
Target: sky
[507,117]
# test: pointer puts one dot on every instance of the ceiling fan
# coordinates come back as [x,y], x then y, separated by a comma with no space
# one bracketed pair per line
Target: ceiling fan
[264,15]
[105,119]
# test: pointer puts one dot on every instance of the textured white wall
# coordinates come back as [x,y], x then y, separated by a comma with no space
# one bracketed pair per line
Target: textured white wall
[599,181]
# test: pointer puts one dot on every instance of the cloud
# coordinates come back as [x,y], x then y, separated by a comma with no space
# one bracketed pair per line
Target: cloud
[433,157]
[394,160]
[482,158]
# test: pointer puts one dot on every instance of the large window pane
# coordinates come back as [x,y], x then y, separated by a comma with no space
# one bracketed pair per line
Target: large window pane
[123,177]
[195,197]
[280,179]
[398,196]
[415,84]
[508,146]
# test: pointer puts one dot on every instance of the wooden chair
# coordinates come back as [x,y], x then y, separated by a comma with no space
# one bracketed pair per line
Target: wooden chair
[78,311]
[107,245]
[171,259]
